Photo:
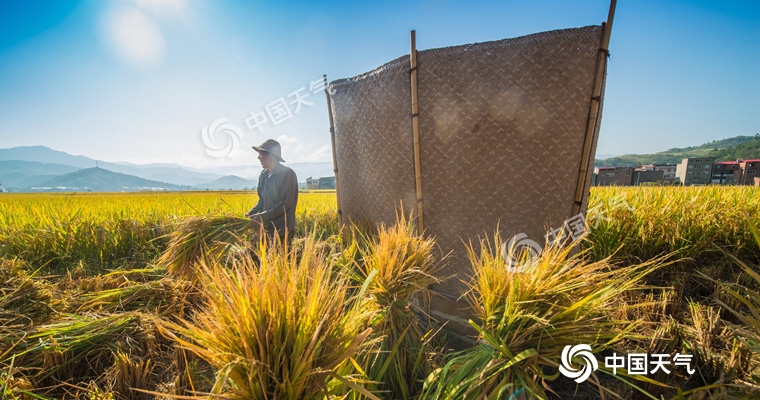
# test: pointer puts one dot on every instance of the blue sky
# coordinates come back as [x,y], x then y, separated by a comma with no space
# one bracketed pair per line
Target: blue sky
[138,80]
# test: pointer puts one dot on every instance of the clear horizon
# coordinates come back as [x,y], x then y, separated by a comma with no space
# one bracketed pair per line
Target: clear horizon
[138,81]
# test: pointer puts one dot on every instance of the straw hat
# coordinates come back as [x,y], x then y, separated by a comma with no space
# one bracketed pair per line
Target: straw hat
[270,146]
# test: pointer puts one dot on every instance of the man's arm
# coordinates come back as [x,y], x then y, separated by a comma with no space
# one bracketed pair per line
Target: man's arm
[256,209]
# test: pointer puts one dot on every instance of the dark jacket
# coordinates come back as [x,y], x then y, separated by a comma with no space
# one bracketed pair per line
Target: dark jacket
[278,196]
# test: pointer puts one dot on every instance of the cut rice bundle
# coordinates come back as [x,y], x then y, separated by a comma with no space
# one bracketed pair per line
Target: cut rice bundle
[202,238]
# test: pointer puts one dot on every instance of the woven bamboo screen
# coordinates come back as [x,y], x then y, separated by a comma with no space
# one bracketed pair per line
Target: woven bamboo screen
[502,130]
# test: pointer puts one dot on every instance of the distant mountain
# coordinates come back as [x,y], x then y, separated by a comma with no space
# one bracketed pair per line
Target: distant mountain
[675,155]
[19,174]
[26,170]
[101,180]
[44,154]
[230,182]
[170,173]
[175,174]
[602,156]
[35,168]
[747,150]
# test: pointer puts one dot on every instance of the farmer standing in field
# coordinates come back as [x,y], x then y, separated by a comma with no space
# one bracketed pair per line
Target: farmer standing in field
[278,194]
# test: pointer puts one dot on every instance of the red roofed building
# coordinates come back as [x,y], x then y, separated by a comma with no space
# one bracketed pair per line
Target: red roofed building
[726,173]
[750,170]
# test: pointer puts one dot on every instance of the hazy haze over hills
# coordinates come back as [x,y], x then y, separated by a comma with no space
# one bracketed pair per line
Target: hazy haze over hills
[173,174]
[15,174]
[102,180]
[27,166]
[227,183]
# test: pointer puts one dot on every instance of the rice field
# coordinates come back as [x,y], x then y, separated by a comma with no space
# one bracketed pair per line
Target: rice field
[157,295]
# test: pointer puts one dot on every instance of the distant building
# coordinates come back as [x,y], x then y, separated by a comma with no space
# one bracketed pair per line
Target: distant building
[643,176]
[726,173]
[695,170]
[320,183]
[614,176]
[327,182]
[750,170]
[757,181]
[312,183]
[668,171]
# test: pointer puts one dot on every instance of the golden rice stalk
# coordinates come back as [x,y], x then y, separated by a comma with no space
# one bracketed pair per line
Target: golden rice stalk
[189,376]
[204,238]
[161,297]
[527,318]
[279,330]
[81,347]
[747,311]
[396,267]
[23,298]
[404,261]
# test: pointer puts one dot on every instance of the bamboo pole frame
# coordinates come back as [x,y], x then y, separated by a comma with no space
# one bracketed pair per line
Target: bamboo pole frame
[334,154]
[416,131]
[594,109]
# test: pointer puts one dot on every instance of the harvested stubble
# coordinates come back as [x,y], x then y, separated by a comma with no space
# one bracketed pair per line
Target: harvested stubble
[128,373]
[81,348]
[23,299]
[202,238]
